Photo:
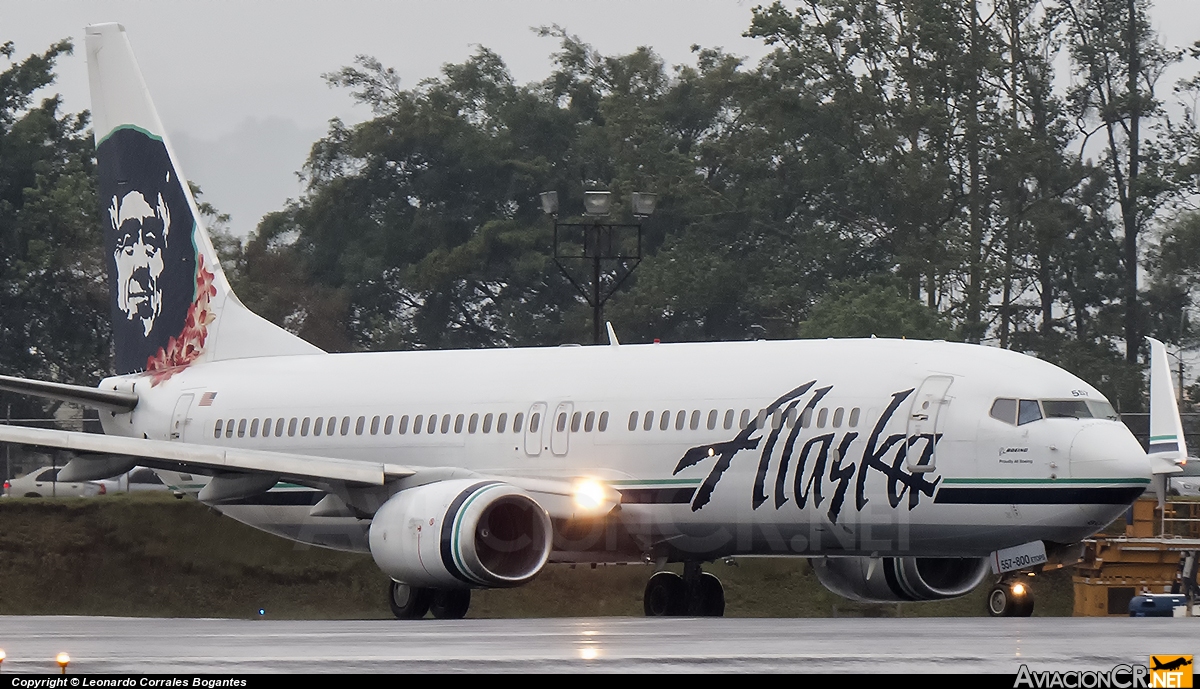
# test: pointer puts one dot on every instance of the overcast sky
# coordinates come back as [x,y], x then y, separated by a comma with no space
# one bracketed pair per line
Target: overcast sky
[238,84]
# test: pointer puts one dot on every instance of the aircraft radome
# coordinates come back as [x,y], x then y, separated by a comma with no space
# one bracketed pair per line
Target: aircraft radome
[906,470]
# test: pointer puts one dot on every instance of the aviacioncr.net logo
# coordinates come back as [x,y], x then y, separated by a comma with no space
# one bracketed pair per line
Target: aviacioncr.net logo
[1119,677]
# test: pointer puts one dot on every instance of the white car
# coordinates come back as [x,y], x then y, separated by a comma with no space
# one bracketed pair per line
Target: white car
[135,480]
[1187,486]
[42,484]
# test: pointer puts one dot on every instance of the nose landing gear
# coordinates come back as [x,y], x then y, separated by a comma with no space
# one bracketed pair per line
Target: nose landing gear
[1011,597]
[696,593]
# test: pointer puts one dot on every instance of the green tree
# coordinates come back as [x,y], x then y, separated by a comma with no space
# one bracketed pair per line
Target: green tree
[54,314]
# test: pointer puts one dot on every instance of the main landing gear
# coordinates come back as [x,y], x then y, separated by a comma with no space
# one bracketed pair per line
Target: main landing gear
[1011,597]
[412,602]
[696,594]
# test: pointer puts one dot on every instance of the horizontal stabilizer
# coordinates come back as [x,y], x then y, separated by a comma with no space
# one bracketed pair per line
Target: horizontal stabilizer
[303,469]
[109,400]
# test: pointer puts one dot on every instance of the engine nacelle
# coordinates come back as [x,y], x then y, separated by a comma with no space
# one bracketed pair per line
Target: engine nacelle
[461,533]
[896,579]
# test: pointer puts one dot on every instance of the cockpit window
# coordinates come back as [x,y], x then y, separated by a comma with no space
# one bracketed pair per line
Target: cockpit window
[1103,410]
[1066,409]
[1005,410]
[1028,412]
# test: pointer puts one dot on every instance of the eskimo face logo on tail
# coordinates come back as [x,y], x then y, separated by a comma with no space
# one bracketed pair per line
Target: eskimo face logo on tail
[141,233]
[155,278]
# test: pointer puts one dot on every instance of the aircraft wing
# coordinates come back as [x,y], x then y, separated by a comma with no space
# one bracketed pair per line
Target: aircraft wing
[240,472]
[303,468]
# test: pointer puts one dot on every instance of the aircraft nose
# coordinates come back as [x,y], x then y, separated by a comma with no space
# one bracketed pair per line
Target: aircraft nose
[1108,450]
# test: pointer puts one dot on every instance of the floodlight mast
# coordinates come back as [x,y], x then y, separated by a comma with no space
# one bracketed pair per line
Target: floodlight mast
[601,242]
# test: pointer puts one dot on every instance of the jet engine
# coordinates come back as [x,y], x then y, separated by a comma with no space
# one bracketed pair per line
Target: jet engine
[896,579]
[461,533]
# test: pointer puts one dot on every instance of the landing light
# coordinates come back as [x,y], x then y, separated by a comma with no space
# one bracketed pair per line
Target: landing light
[1018,589]
[589,494]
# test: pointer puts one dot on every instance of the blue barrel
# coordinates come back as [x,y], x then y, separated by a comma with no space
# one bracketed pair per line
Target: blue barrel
[1156,604]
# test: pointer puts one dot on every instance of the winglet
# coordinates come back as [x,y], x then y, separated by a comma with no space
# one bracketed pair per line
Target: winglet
[612,334]
[1166,428]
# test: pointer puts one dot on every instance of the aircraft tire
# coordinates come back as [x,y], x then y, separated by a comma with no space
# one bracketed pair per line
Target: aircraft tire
[1023,607]
[450,604]
[665,596]
[408,602]
[999,601]
[712,596]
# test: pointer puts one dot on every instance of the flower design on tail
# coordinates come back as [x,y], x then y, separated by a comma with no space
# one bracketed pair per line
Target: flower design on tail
[189,344]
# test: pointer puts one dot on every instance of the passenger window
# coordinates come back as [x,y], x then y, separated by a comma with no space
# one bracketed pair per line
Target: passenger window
[837,417]
[854,417]
[360,425]
[761,420]
[745,420]
[1028,412]
[680,420]
[501,422]
[431,424]
[562,422]
[664,421]
[589,422]
[603,424]
[791,417]
[822,417]
[374,425]
[649,421]
[633,419]
[487,423]
[535,421]
[388,424]
[712,419]
[242,428]
[575,421]
[695,422]
[458,423]
[229,428]
[728,419]
[49,475]
[473,424]
[446,423]
[806,417]
[318,425]
[304,426]
[404,425]
[345,425]
[292,427]
[1004,410]
[254,428]
[417,423]
[329,425]
[517,419]
[217,428]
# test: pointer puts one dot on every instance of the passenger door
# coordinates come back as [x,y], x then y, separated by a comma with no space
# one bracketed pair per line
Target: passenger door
[180,418]
[923,423]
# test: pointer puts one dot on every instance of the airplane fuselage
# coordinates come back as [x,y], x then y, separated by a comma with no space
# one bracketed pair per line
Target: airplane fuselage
[856,447]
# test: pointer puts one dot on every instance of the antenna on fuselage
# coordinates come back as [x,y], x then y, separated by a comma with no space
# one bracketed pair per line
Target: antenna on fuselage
[612,335]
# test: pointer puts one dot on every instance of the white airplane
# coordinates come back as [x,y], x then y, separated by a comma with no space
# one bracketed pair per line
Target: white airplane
[906,470]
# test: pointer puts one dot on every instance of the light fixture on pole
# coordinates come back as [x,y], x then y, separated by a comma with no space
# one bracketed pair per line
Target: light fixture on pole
[597,242]
[597,203]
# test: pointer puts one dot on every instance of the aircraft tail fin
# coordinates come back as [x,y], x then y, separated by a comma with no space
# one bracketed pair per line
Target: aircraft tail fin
[171,303]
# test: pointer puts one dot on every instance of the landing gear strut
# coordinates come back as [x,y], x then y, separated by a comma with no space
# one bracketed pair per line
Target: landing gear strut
[1010,598]
[412,602]
[696,593]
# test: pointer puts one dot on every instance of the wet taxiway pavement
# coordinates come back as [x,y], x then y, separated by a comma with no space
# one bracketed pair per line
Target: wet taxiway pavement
[959,645]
